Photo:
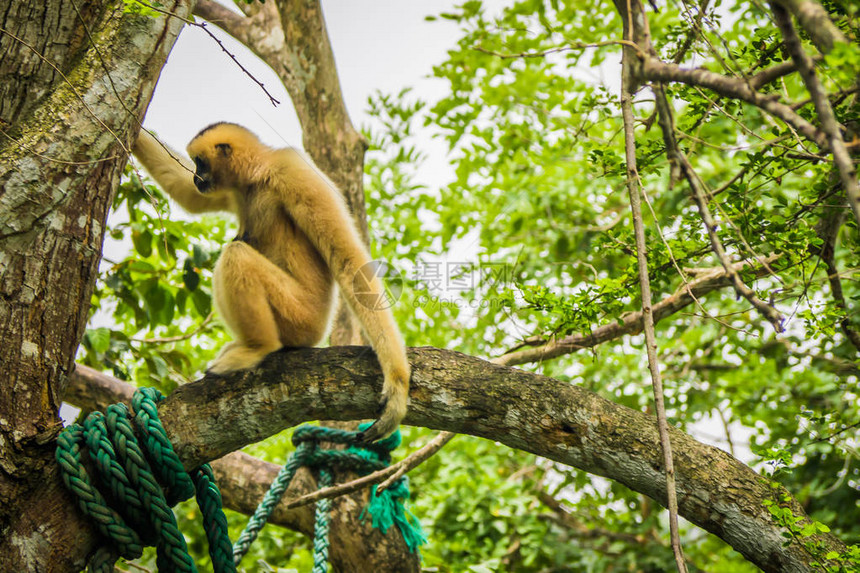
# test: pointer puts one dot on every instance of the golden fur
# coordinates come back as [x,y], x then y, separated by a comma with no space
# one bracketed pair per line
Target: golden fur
[275,286]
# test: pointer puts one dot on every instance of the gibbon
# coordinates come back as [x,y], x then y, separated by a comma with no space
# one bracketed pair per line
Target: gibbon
[274,284]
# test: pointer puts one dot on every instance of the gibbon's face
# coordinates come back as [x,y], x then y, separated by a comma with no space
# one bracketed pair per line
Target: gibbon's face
[212,168]
[217,152]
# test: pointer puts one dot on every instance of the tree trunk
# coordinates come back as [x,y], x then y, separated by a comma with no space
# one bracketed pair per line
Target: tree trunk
[74,79]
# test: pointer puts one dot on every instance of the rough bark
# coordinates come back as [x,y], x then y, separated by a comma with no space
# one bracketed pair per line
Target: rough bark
[454,392]
[74,79]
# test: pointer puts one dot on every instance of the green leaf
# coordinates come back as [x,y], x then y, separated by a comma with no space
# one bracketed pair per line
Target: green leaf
[142,240]
[190,276]
[99,339]
[202,302]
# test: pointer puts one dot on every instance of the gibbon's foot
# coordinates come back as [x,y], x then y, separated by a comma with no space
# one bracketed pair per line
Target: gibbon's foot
[393,408]
[236,356]
[366,437]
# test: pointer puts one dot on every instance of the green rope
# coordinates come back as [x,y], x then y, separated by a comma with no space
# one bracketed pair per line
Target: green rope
[386,508]
[126,468]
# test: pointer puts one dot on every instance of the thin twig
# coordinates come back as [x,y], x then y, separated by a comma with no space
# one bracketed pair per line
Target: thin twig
[202,26]
[569,48]
[398,469]
[627,82]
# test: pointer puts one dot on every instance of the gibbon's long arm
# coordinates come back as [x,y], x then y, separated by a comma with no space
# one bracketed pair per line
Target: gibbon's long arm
[174,173]
[317,207]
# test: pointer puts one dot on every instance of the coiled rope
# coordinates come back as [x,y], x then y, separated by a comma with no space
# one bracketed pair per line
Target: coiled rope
[145,479]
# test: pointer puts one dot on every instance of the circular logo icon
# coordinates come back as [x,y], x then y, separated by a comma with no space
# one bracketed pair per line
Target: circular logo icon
[377,285]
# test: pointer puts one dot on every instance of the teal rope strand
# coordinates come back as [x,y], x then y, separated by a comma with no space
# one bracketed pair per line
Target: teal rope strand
[270,501]
[123,465]
[321,529]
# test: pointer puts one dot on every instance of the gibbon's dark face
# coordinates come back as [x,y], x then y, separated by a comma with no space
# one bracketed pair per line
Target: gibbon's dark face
[206,176]
[203,175]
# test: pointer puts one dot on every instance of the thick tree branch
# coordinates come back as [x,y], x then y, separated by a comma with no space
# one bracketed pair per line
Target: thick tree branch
[706,282]
[93,390]
[458,393]
[244,480]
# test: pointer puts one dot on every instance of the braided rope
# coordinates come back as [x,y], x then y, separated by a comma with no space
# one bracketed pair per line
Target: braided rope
[321,522]
[124,467]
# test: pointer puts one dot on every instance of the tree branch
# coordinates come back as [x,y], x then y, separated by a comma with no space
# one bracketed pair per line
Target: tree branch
[708,281]
[244,480]
[634,192]
[841,157]
[827,230]
[234,24]
[736,88]
[450,391]
[816,22]
[664,118]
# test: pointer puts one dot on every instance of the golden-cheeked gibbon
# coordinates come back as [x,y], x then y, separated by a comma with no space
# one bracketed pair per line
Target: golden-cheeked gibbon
[274,285]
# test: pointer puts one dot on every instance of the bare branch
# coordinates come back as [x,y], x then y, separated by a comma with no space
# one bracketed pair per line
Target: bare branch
[231,55]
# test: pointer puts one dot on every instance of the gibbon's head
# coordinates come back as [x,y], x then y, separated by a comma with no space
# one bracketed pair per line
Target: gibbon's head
[226,156]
